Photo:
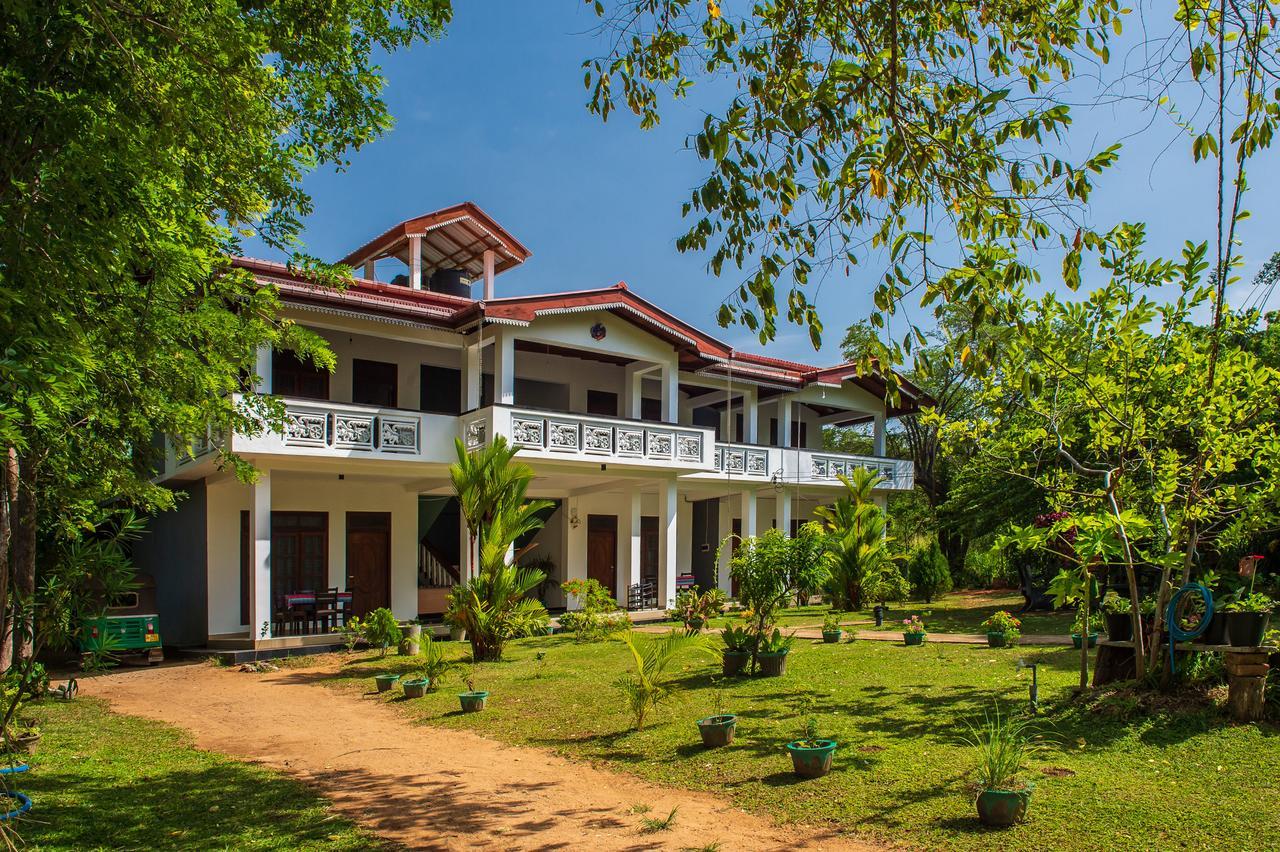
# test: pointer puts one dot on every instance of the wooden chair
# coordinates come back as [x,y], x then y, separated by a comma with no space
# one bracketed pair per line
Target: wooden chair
[328,612]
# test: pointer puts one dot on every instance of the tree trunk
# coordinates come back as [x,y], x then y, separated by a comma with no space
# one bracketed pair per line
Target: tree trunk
[23,557]
[1084,633]
[8,504]
[955,547]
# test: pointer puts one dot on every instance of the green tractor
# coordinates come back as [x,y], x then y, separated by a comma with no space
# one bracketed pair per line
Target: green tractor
[129,630]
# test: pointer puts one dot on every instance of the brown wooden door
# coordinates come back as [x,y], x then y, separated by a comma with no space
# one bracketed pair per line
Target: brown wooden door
[649,549]
[368,561]
[602,550]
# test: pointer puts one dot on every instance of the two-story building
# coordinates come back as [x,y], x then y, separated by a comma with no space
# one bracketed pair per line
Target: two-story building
[654,440]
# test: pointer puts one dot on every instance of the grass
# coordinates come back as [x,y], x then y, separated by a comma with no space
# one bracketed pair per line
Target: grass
[103,780]
[960,612]
[1119,775]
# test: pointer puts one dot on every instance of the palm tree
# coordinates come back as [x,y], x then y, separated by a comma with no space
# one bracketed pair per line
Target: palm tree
[650,683]
[486,480]
[492,605]
[856,540]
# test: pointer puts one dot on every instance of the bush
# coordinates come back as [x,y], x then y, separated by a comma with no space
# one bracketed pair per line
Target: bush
[694,609]
[381,630]
[928,572]
[885,583]
[597,617]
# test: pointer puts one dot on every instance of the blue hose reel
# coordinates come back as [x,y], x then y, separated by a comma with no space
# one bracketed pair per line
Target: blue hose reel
[1176,632]
[23,800]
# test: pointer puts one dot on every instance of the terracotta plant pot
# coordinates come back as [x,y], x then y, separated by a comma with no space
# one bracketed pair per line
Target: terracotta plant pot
[914,638]
[1246,629]
[1003,807]
[415,688]
[472,702]
[831,637]
[811,760]
[734,662]
[718,731]
[772,665]
[997,639]
[385,681]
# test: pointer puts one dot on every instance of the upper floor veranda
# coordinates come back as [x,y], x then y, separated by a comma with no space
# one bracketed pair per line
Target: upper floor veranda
[583,379]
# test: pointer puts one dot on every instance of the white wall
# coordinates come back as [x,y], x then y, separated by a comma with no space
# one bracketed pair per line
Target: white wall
[293,492]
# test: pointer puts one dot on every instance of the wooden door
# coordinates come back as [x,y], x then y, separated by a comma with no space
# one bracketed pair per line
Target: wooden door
[368,561]
[602,551]
[649,549]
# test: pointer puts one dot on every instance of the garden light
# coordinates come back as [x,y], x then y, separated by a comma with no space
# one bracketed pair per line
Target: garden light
[1035,685]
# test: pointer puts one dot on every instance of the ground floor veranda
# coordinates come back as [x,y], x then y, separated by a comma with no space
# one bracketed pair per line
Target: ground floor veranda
[295,554]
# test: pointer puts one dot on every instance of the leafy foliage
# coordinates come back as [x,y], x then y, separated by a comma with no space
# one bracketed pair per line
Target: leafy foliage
[382,630]
[649,683]
[597,616]
[694,608]
[855,539]
[770,568]
[929,572]
[1002,744]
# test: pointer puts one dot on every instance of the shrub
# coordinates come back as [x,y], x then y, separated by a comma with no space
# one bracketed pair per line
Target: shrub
[650,683]
[928,571]
[1002,745]
[737,639]
[694,609]
[885,583]
[771,567]
[1003,622]
[831,622]
[381,630]
[598,616]
[432,662]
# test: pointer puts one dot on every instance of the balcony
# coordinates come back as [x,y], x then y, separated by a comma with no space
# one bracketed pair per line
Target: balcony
[341,430]
[590,438]
[753,462]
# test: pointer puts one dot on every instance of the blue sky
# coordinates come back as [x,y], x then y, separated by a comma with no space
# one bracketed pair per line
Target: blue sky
[494,113]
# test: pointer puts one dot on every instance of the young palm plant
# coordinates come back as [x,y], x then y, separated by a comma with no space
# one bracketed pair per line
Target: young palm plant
[493,605]
[649,684]
[856,540]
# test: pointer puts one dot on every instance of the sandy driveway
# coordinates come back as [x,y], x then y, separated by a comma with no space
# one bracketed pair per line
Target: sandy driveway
[425,787]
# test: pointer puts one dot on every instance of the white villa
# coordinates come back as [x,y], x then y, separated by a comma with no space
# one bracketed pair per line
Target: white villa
[653,439]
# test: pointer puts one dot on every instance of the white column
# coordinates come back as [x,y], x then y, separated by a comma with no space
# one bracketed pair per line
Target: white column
[260,566]
[784,422]
[471,376]
[668,502]
[629,570]
[877,435]
[415,262]
[504,368]
[750,416]
[670,393]
[725,526]
[783,512]
[370,271]
[748,514]
[262,366]
[488,274]
[633,381]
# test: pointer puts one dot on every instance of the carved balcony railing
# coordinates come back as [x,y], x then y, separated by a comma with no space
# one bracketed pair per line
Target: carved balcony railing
[896,474]
[345,429]
[585,437]
[743,460]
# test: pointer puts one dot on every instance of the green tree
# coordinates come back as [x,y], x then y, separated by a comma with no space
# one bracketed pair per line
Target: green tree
[140,144]
[770,568]
[855,539]
[928,571]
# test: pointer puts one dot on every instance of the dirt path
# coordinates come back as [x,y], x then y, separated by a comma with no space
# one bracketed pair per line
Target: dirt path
[425,787]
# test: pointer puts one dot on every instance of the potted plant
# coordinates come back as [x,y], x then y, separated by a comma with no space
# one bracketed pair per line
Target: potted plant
[25,740]
[772,653]
[811,755]
[411,636]
[385,681]
[695,609]
[1002,746]
[913,630]
[1002,629]
[831,631]
[718,728]
[1078,630]
[737,650]
[416,685]
[1116,612]
[473,699]
[1247,619]
[454,619]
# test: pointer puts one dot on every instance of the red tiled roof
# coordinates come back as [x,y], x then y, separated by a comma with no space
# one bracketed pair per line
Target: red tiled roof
[457,313]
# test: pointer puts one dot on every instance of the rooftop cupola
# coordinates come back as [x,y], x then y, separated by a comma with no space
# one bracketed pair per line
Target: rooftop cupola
[445,251]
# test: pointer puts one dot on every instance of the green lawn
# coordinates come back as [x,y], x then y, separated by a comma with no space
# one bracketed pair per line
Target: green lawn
[102,780]
[1119,776]
[959,612]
